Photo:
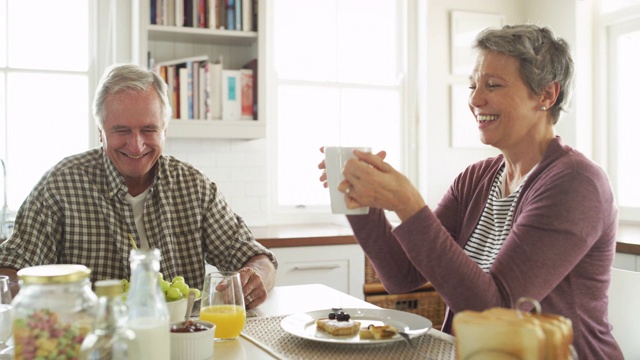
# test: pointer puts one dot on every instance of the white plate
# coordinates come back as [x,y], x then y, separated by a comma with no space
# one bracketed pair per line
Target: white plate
[304,325]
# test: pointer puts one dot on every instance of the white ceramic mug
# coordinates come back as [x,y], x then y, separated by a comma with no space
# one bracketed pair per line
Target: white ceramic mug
[334,158]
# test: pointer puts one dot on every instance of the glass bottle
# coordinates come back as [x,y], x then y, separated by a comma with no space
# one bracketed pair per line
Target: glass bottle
[148,312]
[110,338]
[53,312]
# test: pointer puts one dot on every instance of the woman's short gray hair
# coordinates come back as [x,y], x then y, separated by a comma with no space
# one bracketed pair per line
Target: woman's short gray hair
[127,77]
[543,58]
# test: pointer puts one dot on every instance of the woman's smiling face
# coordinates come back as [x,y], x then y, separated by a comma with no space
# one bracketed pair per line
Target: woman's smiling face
[505,109]
[133,135]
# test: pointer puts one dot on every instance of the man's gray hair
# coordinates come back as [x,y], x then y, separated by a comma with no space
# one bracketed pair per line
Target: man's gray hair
[129,77]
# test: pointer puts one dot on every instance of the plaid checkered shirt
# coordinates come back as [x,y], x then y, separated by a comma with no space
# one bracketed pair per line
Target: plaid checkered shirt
[77,214]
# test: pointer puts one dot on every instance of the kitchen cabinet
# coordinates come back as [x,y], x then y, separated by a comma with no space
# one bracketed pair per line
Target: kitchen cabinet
[338,266]
[627,262]
[628,248]
[237,48]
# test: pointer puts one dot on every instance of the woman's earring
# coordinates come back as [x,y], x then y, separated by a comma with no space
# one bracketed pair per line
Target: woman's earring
[543,108]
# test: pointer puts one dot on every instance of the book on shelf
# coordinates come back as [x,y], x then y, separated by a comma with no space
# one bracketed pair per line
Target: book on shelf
[231,14]
[247,15]
[231,95]
[215,89]
[186,84]
[253,66]
[204,90]
[203,84]
[179,13]
[214,14]
[238,13]
[184,94]
[246,98]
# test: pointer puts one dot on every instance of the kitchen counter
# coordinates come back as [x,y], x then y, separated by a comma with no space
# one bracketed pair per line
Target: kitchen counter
[333,234]
[628,239]
[303,235]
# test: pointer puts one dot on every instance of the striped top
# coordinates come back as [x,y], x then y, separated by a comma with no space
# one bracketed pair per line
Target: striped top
[495,223]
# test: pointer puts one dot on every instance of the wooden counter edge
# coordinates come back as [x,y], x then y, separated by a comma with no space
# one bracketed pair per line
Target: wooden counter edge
[308,241]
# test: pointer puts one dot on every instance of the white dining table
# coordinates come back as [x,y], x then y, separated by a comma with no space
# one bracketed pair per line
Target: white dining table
[286,300]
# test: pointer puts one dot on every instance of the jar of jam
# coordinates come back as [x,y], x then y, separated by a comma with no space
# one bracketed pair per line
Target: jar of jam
[53,312]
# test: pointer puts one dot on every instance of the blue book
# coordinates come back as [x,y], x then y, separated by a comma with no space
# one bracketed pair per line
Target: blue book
[231,14]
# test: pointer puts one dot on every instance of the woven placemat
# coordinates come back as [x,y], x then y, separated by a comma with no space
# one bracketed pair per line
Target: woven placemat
[267,334]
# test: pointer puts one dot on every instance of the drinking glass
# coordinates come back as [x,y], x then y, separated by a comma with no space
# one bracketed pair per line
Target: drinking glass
[5,311]
[222,303]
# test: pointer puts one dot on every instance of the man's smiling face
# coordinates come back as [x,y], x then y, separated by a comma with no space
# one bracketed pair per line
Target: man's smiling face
[133,135]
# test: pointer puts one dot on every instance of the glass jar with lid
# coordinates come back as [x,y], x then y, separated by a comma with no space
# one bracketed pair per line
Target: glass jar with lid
[53,312]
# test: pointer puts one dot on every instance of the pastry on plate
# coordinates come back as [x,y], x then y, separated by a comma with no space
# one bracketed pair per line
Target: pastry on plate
[338,328]
[378,332]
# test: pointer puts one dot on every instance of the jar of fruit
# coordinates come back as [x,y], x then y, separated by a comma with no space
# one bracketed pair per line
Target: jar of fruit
[53,312]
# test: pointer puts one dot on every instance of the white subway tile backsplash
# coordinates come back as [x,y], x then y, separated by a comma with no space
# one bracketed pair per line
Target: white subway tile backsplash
[238,167]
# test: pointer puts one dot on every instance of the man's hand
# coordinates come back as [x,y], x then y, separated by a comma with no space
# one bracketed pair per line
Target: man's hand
[257,277]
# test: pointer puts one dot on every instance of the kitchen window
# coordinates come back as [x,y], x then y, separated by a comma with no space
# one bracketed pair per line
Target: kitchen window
[45,92]
[338,73]
[623,154]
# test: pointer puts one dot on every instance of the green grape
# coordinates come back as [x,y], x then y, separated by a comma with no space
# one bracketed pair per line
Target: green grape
[173,294]
[197,292]
[184,288]
[175,290]
[165,285]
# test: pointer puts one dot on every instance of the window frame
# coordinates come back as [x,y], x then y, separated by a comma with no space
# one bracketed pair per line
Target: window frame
[97,17]
[412,10]
[612,24]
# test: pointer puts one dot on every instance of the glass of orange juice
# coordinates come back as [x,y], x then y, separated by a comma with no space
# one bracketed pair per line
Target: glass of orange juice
[222,303]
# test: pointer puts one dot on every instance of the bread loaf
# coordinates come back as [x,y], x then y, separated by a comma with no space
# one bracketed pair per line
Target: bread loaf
[510,333]
[482,335]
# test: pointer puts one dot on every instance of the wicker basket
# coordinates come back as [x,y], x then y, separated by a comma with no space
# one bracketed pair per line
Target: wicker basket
[428,304]
[424,302]
[370,275]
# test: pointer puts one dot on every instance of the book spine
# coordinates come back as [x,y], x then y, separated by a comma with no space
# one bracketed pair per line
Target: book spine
[190,89]
[247,15]
[212,15]
[184,93]
[216,90]
[253,66]
[179,5]
[222,14]
[231,95]
[238,21]
[246,83]
[231,14]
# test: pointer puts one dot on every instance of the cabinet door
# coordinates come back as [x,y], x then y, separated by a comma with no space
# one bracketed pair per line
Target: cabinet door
[338,266]
[626,261]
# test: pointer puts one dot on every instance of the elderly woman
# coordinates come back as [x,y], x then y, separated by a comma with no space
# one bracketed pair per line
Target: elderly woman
[538,220]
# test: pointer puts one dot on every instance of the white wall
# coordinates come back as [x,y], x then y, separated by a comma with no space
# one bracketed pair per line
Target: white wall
[442,163]
[238,167]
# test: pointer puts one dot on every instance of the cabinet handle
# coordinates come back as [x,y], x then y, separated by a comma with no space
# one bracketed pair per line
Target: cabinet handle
[316,267]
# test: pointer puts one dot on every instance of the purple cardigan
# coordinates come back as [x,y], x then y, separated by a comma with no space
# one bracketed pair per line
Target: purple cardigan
[559,251]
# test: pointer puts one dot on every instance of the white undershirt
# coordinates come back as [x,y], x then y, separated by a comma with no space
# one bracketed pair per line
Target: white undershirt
[137,204]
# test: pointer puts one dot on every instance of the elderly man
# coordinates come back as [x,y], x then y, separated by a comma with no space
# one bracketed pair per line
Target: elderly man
[86,208]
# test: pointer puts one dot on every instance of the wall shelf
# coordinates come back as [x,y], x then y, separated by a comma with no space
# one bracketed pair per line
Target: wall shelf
[202,36]
[217,129]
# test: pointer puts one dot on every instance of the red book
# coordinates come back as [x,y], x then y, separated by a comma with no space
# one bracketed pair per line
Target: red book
[246,84]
